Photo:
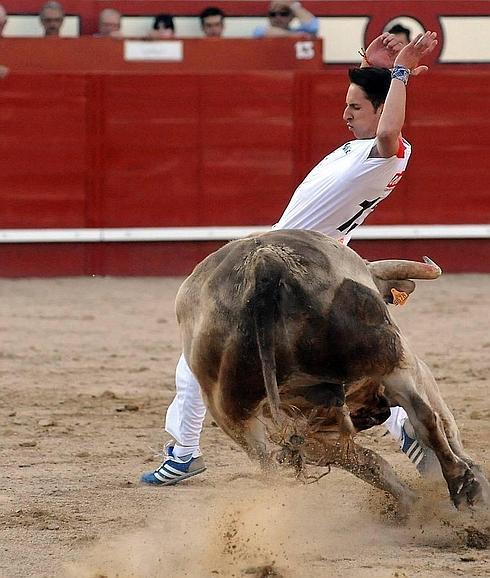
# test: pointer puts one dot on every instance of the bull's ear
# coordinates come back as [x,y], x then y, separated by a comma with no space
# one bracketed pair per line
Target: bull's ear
[399,297]
[394,291]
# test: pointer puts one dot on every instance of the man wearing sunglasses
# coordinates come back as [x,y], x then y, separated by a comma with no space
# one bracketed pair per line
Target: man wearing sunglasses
[281,14]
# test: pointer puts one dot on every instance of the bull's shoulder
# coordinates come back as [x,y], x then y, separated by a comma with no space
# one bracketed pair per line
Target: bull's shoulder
[307,262]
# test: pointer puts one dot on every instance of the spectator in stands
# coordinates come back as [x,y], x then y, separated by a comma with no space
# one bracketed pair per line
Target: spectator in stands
[281,14]
[163,27]
[51,16]
[402,33]
[3,19]
[212,22]
[109,23]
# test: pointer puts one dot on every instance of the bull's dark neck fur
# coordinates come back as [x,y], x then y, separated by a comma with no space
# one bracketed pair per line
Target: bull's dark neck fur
[344,341]
[335,331]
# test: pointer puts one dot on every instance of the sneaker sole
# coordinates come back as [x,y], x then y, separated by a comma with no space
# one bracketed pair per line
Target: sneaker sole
[175,481]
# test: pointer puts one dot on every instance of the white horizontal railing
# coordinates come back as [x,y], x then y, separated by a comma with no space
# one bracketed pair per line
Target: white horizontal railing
[137,234]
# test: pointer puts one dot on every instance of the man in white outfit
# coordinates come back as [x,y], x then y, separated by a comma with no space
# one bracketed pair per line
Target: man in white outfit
[335,198]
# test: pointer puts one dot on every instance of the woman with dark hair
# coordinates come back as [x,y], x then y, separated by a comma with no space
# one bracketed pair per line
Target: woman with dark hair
[163,27]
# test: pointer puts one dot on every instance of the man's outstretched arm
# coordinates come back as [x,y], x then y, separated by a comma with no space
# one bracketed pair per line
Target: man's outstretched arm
[393,114]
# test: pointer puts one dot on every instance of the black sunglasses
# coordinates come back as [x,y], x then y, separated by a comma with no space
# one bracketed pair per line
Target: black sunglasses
[273,13]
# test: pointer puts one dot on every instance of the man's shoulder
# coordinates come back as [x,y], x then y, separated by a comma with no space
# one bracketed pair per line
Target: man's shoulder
[353,146]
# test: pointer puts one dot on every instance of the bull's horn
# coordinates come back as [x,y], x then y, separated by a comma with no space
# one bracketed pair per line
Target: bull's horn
[400,269]
[429,261]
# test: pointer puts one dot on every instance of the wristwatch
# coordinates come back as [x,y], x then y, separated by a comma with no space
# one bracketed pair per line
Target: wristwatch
[400,73]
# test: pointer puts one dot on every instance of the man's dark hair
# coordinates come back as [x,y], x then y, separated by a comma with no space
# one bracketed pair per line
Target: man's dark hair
[211,11]
[400,29]
[375,82]
[166,20]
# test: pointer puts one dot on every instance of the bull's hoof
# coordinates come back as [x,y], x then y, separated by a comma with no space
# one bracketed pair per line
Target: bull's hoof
[283,456]
[482,498]
[292,457]
[465,489]
[296,441]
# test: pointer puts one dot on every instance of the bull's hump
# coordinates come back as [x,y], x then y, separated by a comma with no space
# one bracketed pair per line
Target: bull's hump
[284,255]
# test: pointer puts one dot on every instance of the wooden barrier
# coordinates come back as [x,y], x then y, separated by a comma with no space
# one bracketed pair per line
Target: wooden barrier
[107,55]
[165,148]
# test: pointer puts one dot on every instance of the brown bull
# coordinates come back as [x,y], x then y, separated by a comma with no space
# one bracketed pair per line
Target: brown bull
[288,333]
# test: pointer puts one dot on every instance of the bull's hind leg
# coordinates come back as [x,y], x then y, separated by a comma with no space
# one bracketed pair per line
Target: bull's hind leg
[366,465]
[269,445]
[401,387]
[252,436]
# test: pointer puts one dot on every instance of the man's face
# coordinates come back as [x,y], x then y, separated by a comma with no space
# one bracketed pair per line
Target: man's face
[109,24]
[402,37]
[52,19]
[280,15]
[162,32]
[213,26]
[359,113]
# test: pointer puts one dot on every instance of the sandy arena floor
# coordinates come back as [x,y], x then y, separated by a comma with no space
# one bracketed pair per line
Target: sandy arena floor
[87,370]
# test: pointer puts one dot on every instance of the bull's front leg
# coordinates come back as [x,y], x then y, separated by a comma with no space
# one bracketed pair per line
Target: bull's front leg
[451,429]
[402,390]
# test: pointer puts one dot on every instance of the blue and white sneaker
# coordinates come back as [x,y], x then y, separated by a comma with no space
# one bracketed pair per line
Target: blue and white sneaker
[423,458]
[174,469]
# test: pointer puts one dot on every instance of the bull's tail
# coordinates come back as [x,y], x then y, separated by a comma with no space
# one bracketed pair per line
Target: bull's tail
[265,274]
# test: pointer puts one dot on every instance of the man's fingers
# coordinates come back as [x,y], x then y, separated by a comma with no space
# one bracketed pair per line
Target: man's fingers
[426,44]
[417,39]
[422,39]
[394,44]
[431,47]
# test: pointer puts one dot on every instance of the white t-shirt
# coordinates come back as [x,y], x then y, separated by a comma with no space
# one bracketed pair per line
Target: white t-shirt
[341,191]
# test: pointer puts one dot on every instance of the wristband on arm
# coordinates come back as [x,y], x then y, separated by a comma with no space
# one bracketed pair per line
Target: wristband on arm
[402,73]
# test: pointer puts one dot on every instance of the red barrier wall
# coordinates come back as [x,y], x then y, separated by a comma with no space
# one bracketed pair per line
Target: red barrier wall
[106,55]
[129,149]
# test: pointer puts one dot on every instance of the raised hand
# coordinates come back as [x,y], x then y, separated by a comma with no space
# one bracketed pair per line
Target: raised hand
[382,51]
[412,53]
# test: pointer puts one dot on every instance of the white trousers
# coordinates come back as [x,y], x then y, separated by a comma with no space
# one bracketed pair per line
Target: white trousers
[185,415]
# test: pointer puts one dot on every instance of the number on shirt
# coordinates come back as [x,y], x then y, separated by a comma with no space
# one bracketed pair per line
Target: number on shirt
[351,224]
